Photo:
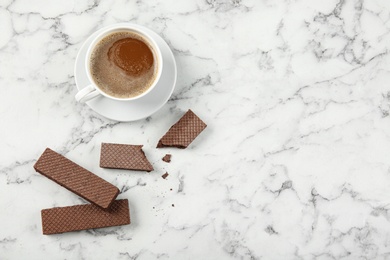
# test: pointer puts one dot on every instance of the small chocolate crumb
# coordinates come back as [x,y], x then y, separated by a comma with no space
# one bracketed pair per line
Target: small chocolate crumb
[173,205]
[170,189]
[165,175]
[167,158]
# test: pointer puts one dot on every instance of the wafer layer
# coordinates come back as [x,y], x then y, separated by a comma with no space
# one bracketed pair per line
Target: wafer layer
[76,179]
[81,217]
[182,133]
[124,156]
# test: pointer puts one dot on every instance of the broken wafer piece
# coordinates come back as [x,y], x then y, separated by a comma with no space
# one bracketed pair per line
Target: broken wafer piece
[76,179]
[124,156]
[81,217]
[182,133]
[167,158]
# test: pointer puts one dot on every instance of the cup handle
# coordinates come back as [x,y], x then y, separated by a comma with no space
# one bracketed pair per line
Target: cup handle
[86,94]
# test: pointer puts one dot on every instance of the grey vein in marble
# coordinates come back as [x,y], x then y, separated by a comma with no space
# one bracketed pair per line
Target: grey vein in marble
[294,163]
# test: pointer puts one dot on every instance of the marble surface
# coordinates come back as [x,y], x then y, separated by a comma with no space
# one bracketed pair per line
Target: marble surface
[294,164]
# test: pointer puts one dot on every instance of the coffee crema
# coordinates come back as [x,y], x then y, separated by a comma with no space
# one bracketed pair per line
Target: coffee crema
[123,64]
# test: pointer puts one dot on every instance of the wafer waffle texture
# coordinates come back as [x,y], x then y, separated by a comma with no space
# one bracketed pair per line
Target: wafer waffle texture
[76,179]
[182,133]
[124,156]
[81,217]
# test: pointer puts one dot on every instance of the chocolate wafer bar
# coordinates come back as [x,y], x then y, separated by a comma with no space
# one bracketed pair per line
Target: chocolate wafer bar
[76,179]
[124,156]
[182,133]
[81,217]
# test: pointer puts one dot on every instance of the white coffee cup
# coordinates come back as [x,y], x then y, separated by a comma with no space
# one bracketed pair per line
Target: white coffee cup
[93,90]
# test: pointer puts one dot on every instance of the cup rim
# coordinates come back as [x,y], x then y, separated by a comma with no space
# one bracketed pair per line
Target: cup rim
[111,28]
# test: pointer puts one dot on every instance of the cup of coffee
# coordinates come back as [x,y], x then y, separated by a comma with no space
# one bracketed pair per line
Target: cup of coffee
[122,63]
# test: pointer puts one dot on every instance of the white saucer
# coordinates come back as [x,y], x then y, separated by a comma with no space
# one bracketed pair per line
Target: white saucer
[135,109]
